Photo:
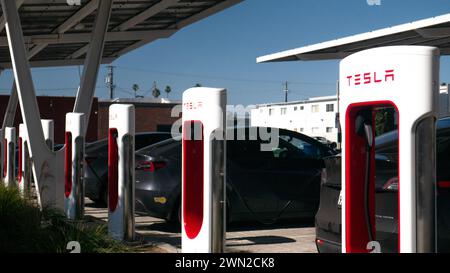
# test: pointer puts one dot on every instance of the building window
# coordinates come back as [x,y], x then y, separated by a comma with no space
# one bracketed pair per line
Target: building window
[295,108]
[302,107]
[315,108]
[330,107]
[329,129]
[301,130]
[283,111]
[271,112]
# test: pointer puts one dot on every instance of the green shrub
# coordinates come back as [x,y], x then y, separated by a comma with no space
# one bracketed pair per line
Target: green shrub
[24,228]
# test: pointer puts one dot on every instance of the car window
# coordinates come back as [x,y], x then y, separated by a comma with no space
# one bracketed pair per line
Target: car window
[163,147]
[295,148]
[443,144]
[247,149]
[143,140]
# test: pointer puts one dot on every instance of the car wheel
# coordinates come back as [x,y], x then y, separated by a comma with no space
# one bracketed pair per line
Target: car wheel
[175,215]
[179,213]
[104,197]
[102,200]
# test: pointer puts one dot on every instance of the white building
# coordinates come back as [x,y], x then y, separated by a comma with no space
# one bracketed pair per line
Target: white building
[313,117]
[316,116]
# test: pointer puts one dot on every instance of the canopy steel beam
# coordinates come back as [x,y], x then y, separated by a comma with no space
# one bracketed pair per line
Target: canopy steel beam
[83,102]
[46,165]
[153,10]
[68,24]
[46,39]
[56,63]
[148,13]
[2,18]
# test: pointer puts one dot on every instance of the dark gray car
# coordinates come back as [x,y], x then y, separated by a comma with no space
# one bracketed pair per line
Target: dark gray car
[328,218]
[283,182]
[96,158]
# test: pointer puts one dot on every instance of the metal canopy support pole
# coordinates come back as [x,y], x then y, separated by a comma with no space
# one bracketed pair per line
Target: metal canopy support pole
[93,60]
[10,114]
[45,163]
[8,120]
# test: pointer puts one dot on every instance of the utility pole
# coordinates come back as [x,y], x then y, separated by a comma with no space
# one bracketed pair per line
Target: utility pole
[286,90]
[110,81]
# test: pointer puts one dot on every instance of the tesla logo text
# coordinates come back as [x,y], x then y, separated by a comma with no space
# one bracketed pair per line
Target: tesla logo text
[371,77]
[193,105]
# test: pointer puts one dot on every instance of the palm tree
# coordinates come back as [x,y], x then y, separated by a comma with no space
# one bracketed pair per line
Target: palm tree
[135,89]
[155,91]
[168,90]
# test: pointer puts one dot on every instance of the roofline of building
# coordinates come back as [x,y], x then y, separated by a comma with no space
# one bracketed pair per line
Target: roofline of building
[307,101]
[139,102]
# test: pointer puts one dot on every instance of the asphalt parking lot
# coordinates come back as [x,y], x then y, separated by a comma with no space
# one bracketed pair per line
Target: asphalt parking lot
[287,237]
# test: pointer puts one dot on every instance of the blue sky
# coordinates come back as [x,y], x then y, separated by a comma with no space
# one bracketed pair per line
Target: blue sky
[221,50]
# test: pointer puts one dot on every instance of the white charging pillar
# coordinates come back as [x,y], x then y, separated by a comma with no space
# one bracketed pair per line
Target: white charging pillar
[407,79]
[203,170]
[9,163]
[121,172]
[48,126]
[73,166]
[24,168]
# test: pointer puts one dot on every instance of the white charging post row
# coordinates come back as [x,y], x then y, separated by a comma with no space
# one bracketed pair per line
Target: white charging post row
[24,170]
[73,166]
[121,169]
[203,170]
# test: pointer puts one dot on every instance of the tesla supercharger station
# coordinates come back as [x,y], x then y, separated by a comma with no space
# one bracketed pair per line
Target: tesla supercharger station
[9,157]
[203,170]
[24,168]
[73,166]
[406,78]
[121,172]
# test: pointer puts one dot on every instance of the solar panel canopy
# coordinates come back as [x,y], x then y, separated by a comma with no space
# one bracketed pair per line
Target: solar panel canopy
[428,32]
[58,32]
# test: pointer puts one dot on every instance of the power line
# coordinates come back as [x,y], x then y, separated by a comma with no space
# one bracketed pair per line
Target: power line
[286,90]
[219,78]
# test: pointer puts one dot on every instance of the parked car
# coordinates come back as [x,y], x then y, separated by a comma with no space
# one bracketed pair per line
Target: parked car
[328,218]
[325,141]
[96,158]
[260,185]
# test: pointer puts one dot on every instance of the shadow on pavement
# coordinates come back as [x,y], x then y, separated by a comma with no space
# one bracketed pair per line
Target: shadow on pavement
[254,226]
[260,240]
[233,227]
